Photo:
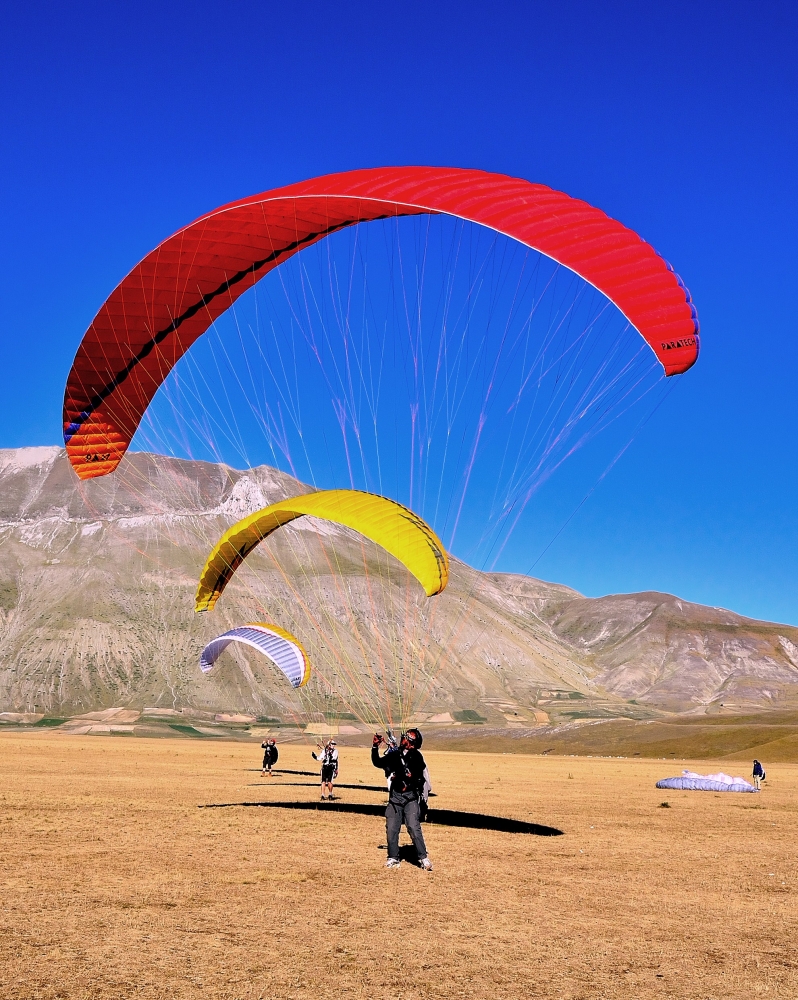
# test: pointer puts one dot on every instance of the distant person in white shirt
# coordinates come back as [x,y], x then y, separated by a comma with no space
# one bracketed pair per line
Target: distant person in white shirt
[329,768]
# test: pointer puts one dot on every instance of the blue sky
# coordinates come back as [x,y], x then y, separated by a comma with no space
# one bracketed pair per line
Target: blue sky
[122,122]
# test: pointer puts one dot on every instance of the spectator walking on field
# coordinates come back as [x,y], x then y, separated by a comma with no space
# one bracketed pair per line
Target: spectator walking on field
[407,776]
[329,768]
[270,755]
[759,773]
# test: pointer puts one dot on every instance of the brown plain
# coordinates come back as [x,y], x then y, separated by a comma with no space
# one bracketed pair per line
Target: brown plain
[115,883]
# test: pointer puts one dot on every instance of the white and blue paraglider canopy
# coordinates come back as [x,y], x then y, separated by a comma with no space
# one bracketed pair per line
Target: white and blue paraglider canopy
[720,782]
[282,648]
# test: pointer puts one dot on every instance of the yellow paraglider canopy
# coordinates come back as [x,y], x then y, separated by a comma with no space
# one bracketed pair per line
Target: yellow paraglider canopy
[389,524]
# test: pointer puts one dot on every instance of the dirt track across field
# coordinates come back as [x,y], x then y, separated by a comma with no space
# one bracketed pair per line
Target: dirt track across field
[115,883]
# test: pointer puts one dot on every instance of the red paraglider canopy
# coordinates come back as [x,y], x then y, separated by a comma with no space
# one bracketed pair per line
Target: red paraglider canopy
[173,296]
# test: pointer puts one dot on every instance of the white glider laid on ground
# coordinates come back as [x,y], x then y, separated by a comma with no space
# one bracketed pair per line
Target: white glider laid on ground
[720,782]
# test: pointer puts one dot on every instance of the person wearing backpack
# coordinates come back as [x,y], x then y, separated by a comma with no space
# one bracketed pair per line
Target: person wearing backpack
[759,773]
[407,775]
[329,768]
[270,755]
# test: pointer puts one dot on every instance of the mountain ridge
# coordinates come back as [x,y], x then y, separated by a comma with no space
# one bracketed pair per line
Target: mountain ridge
[96,611]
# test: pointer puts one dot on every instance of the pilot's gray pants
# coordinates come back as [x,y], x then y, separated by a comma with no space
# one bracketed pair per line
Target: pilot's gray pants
[403,808]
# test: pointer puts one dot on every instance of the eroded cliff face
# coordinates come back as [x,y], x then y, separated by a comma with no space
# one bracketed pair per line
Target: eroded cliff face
[97,583]
[658,649]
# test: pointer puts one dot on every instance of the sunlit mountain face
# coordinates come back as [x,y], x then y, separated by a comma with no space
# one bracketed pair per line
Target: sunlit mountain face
[97,584]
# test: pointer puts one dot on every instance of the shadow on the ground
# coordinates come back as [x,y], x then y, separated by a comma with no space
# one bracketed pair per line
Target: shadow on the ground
[439,817]
[315,784]
[279,770]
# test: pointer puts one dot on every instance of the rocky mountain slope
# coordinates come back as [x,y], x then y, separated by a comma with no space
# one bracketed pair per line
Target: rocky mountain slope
[96,610]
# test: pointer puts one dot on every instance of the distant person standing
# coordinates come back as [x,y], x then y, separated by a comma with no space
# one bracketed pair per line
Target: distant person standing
[270,755]
[329,768]
[759,774]
[407,775]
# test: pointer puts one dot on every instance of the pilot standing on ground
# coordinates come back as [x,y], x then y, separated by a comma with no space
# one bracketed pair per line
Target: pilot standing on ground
[329,768]
[270,755]
[404,768]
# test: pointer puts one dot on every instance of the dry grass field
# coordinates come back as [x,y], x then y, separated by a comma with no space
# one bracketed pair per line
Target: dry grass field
[115,883]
